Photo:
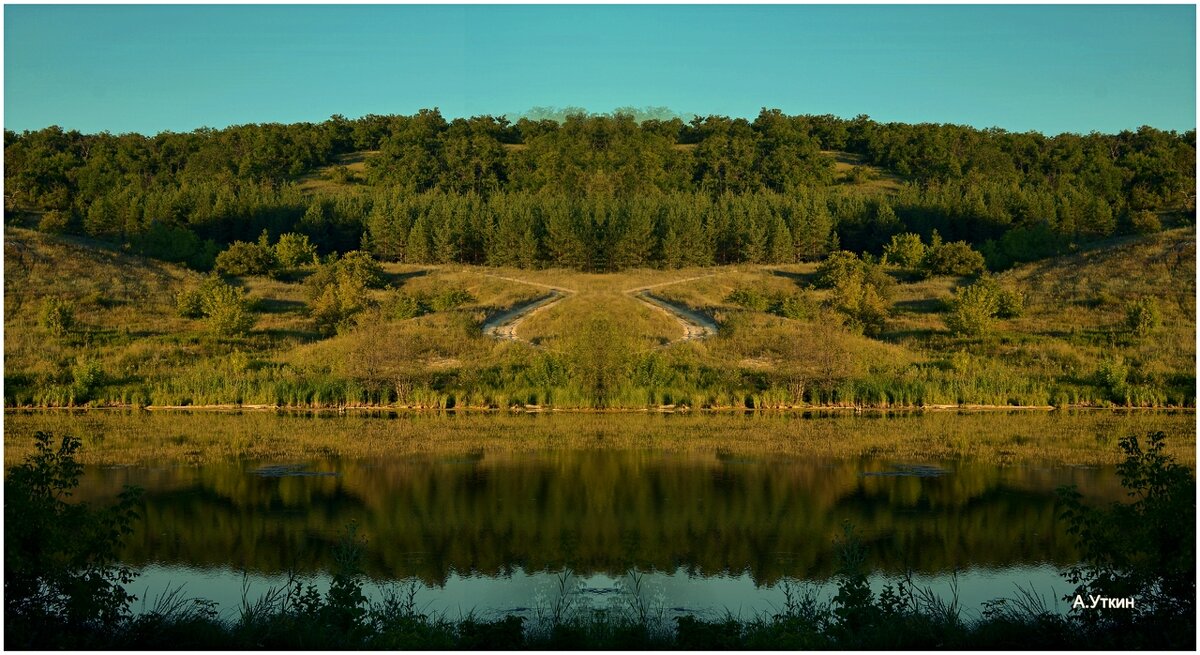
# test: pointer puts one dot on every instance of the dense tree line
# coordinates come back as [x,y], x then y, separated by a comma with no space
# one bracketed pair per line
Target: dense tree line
[599,191]
[599,232]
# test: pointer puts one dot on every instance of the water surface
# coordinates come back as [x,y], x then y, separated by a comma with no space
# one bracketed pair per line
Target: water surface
[694,532]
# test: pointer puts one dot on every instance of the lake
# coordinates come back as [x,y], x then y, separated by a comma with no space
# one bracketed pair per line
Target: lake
[562,513]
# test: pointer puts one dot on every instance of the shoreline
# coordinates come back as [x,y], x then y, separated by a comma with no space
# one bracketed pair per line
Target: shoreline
[533,409]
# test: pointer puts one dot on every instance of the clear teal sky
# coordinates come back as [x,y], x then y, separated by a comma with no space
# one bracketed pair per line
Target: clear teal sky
[1047,68]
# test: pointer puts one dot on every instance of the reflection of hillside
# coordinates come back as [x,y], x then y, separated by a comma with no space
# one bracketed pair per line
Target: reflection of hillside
[601,511]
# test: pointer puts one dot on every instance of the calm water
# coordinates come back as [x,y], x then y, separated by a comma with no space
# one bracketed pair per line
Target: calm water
[690,532]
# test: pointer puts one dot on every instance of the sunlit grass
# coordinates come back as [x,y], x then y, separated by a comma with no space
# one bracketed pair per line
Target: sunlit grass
[138,438]
[1058,352]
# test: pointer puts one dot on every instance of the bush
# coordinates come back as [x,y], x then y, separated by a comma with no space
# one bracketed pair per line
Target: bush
[86,377]
[190,302]
[338,290]
[336,304]
[224,305]
[972,309]
[836,268]
[175,244]
[751,299]
[449,299]
[956,258]
[1144,550]
[227,311]
[796,306]
[342,175]
[55,222]
[1143,317]
[1145,222]
[61,573]
[905,250]
[242,258]
[294,250]
[56,316]
[861,289]
[362,269]
[1010,303]
[405,306]
[358,266]
[1112,375]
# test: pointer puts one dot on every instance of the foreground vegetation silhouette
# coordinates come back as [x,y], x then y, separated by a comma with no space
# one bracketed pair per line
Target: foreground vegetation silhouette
[63,589]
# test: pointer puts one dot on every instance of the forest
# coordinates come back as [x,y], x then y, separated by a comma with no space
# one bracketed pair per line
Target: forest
[597,192]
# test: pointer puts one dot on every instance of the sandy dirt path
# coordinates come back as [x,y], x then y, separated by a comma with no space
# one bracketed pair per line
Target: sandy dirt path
[504,325]
[695,325]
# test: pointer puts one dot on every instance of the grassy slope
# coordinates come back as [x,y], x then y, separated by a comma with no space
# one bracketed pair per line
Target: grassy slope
[1072,325]
[127,325]
[1052,354]
[325,179]
[871,179]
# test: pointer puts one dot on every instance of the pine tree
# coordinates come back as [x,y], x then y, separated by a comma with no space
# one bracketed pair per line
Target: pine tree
[781,250]
[419,248]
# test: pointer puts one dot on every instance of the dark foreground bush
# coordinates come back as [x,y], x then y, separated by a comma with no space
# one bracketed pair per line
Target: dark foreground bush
[63,590]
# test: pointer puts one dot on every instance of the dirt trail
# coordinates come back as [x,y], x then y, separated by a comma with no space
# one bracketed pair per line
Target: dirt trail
[504,325]
[695,325]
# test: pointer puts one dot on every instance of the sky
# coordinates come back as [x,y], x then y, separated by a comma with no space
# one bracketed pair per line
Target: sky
[1052,69]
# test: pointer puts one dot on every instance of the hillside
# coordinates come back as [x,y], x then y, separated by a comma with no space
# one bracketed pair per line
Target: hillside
[782,340]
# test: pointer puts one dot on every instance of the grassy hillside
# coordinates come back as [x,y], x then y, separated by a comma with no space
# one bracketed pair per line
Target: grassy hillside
[349,170]
[599,345]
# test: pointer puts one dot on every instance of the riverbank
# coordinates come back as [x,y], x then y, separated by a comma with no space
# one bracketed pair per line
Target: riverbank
[124,438]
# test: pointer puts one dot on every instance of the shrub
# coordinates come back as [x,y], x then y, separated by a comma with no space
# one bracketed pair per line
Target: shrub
[956,258]
[599,356]
[242,258]
[751,299]
[56,316]
[86,376]
[61,573]
[905,250]
[796,306]
[863,304]
[55,222]
[1143,317]
[342,175]
[861,289]
[338,289]
[1145,222]
[336,304]
[175,244]
[294,250]
[224,305]
[972,309]
[836,268]
[190,302]
[359,266]
[405,306]
[362,268]
[1010,303]
[449,299]
[227,311]
[1144,550]
[1112,375]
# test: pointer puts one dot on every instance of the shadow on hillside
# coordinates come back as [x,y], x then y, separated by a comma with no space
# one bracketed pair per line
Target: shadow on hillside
[401,278]
[277,306]
[921,306]
[798,278]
